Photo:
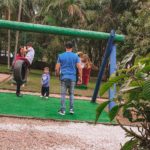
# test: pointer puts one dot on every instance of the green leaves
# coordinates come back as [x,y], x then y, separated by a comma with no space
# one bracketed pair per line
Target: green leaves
[134,92]
[127,114]
[113,112]
[110,83]
[128,89]
[100,108]
[146,90]
[128,58]
[129,145]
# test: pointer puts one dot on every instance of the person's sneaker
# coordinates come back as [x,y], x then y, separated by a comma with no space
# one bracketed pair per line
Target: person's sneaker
[41,96]
[61,112]
[71,111]
[19,95]
[46,97]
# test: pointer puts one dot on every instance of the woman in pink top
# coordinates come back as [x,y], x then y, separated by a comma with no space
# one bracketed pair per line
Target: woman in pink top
[26,54]
[20,55]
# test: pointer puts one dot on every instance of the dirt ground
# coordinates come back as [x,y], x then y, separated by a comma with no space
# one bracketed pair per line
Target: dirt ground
[31,134]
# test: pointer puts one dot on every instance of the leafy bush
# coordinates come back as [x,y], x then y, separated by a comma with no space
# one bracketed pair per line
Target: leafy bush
[133,100]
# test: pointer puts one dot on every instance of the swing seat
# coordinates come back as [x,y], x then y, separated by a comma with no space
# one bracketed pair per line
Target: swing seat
[20,71]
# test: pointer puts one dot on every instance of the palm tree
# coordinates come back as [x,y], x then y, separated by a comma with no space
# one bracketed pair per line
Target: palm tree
[65,13]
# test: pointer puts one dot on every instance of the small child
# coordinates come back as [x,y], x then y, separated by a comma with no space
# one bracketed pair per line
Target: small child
[45,83]
[30,54]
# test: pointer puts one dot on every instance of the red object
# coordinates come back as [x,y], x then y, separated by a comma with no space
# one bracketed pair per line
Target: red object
[86,75]
[18,57]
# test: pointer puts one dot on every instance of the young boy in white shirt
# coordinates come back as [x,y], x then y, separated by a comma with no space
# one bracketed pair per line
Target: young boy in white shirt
[30,53]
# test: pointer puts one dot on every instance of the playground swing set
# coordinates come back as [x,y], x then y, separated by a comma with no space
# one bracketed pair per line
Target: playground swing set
[20,72]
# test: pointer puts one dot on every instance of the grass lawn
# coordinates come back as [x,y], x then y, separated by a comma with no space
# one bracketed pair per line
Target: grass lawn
[34,83]
[34,106]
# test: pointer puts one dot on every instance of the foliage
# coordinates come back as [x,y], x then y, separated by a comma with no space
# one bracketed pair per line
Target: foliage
[134,22]
[133,100]
[128,17]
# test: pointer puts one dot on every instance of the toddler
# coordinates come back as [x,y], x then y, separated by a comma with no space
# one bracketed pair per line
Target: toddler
[45,83]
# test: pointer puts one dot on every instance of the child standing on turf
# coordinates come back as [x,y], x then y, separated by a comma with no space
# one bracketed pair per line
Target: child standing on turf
[45,83]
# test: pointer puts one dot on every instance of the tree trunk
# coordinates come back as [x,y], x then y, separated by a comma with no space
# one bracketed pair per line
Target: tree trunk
[8,48]
[17,32]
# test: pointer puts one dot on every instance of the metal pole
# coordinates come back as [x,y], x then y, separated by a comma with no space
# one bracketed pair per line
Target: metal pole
[113,67]
[22,26]
[103,65]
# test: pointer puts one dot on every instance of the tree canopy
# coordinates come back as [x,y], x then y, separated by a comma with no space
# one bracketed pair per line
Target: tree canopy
[128,17]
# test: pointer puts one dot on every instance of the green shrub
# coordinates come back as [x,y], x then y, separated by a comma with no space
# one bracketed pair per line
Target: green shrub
[133,99]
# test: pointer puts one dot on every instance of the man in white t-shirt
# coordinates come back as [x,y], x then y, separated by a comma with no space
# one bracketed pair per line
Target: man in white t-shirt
[30,53]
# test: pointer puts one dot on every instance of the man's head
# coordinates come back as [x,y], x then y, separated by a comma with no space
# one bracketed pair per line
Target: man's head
[29,44]
[69,45]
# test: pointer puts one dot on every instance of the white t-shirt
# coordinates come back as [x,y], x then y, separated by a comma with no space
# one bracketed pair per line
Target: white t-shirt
[30,55]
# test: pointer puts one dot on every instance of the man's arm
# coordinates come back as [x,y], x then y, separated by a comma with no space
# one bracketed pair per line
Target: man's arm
[57,69]
[79,71]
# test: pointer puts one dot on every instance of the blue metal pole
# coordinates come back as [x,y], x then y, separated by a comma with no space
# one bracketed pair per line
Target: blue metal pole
[113,67]
[103,65]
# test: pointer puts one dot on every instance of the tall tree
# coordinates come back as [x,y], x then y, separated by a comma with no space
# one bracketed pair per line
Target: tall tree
[17,32]
[8,48]
[7,7]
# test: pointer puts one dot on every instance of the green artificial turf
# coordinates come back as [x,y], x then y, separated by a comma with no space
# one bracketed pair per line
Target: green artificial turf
[34,106]
[81,87]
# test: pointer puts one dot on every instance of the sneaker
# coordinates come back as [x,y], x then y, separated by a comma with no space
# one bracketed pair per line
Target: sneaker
[19,95]
[41,96]
[46,97]
[61,112]
[71,111]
